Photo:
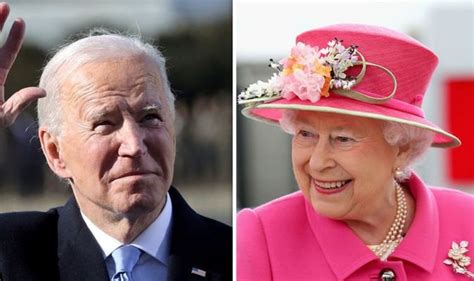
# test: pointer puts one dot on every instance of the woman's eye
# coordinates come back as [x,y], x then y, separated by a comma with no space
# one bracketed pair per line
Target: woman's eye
[305,134]
[304,138]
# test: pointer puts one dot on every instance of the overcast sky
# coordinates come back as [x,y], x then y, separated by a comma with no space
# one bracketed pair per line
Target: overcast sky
[267,28]
[49,21]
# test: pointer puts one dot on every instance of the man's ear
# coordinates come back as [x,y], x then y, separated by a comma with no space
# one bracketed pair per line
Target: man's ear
[52,152]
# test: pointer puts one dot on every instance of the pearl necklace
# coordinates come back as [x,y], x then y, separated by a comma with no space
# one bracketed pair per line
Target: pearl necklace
[395,234]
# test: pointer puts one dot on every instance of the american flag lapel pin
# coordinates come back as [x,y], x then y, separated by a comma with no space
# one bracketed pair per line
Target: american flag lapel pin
[198,272]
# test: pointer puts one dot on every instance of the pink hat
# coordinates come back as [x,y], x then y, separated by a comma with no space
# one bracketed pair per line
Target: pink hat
[350,69]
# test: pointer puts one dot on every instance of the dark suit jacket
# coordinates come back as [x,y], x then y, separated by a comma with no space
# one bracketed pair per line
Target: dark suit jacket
[57,245]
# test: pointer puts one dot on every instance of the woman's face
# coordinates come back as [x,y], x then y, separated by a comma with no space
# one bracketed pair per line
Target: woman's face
[342,164]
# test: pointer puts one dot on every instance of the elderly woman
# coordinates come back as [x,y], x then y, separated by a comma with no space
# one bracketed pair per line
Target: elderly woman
[351,97]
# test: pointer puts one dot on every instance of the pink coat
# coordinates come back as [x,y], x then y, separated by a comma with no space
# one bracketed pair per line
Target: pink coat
[287,240]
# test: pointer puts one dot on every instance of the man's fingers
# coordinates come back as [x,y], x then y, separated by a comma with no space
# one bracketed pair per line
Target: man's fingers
[12,46]
[18,102]
[4,11]
[15,36]
[10,49]
[21,99]
[2,95]
[10,109]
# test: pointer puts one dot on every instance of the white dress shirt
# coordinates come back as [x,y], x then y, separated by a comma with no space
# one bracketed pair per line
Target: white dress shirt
[154,241]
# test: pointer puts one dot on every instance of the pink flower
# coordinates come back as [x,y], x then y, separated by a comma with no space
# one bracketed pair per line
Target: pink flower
[304,84]
[298,77]
[301,57]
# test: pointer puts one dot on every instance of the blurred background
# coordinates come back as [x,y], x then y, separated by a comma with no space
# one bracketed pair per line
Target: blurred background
[265,29]
[196,39]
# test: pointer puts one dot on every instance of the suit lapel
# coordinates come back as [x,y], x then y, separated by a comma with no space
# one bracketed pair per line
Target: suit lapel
[80,256]
[188,252]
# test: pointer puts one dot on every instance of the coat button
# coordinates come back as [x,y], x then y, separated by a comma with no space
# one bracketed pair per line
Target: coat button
[387,275]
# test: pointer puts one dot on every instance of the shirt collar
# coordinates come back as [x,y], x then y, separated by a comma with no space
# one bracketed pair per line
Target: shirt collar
[154,240]
[346,253]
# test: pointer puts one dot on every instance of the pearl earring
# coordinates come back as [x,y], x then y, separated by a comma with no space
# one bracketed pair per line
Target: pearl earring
[398,173]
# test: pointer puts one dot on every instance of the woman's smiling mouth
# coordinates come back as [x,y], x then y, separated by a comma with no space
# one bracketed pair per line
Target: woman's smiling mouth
[330,187]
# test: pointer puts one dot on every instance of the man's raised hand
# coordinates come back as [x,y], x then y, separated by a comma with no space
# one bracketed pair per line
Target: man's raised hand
[11,108]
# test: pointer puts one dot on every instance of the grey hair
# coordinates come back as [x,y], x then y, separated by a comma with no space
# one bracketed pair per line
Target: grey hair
[417,139]
[98,45]
[396,134]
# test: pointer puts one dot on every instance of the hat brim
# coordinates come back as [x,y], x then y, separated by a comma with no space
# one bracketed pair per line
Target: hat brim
[271,113]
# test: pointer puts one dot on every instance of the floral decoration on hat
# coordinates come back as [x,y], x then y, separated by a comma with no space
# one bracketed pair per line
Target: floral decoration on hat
[458,260]
[309,72]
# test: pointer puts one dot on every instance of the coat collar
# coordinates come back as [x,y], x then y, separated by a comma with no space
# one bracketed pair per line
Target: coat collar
[79,255]
[189,243]
[418,247]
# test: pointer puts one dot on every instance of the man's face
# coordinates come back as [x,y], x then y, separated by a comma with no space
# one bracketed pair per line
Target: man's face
[117,140]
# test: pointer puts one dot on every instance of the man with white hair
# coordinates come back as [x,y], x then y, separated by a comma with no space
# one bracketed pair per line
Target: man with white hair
[106,118]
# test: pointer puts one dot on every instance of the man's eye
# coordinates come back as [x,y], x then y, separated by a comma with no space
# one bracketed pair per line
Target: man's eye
[103,123]
[151,119]
[344,140]
[103,126]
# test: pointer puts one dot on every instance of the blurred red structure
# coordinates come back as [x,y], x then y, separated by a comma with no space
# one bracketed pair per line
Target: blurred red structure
[460,121]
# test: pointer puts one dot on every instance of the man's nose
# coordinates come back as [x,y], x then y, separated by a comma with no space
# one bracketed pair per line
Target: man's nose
[322,156]
[132,140]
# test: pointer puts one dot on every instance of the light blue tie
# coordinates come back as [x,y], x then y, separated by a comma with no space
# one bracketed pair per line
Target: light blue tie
[125,258]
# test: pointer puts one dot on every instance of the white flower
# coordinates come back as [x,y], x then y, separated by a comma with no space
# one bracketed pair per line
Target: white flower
[458,260]
[457,252]
[340,48]
[448,262]
[464,261]
[275,83]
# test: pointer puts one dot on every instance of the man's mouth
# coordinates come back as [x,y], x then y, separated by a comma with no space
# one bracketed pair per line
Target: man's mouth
[134,174]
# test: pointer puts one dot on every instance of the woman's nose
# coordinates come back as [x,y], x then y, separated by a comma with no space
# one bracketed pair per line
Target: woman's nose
[322,156]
